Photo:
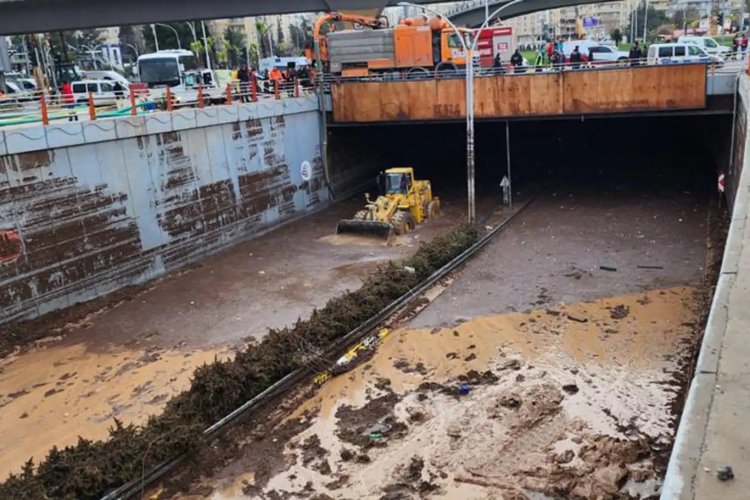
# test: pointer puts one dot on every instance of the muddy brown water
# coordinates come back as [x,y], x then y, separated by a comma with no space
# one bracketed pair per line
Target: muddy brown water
[583,366]
[125,356]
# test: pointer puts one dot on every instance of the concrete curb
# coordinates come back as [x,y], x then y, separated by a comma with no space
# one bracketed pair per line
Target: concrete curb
[693,431]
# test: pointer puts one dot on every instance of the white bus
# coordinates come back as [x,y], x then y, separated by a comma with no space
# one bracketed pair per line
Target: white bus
[177,69]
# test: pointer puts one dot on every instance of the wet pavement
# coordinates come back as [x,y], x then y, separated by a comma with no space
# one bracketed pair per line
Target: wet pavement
[550,367]
[126,359]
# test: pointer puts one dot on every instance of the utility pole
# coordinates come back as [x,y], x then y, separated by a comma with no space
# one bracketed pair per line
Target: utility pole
[156,40]
[205,45]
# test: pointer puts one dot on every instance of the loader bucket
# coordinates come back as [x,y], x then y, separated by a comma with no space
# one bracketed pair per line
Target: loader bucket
[364,227]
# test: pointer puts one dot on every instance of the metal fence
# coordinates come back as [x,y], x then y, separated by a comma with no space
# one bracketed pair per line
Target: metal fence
[28,108]
[716,73]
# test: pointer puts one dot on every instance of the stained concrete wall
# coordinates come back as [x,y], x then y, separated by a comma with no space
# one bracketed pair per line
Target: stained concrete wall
[100,205]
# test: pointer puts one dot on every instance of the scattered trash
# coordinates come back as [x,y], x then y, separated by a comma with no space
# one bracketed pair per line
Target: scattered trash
[513,364]
[510,401]
[375,436]
[725,473]
[464,389]
[410,269]
[650,267]
[570,388]
[608,268]
[261,272]
[579,319]
[619,311]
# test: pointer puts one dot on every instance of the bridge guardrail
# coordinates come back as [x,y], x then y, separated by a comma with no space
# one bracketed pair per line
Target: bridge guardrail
[40,107]
[730,67]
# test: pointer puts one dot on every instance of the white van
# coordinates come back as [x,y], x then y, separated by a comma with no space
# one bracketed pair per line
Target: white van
[679,53]
[707,43]
[107,75]
[103,91]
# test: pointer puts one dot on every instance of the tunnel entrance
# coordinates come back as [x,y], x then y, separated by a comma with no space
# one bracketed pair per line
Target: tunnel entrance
[637,155]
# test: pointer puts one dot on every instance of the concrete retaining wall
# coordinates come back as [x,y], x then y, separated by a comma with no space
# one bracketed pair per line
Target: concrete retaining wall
[86,208]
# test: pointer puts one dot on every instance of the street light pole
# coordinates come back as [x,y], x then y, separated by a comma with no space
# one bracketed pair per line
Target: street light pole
[469,52]
[205,45]
[176,34]
[156,39]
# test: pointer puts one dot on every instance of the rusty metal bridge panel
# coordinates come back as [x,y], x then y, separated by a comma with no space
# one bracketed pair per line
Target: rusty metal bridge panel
[620,90]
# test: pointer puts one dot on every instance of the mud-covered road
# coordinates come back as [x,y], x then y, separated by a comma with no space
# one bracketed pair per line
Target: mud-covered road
[550,367]
[125,355]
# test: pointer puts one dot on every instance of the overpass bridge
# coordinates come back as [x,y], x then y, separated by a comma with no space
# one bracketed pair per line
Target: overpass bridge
[35,16]
[472,13]
[612,90]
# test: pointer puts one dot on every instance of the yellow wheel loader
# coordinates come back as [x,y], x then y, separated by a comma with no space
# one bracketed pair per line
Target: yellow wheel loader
[405,202]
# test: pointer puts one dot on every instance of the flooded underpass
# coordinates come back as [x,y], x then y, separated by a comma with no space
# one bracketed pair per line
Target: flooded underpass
[552,365]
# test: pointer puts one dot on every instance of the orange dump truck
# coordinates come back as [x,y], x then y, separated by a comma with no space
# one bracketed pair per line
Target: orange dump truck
[415,47]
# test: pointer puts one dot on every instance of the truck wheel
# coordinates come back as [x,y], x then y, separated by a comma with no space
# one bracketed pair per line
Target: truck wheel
[433,209]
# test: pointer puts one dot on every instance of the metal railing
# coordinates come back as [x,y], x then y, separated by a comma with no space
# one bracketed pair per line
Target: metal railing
[35,107]
[730,67]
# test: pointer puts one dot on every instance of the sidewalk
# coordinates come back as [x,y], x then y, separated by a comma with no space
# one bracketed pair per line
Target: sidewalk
[713,432]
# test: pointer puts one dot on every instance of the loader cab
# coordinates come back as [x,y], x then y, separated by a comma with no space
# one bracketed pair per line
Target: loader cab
[398,181]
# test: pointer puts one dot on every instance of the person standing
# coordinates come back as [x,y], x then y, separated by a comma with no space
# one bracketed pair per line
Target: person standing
[517,61]
[539,61]
[498,61]
[243,75]
[575,58]
[743,44]
[550,51]
[635,54]
[66,91]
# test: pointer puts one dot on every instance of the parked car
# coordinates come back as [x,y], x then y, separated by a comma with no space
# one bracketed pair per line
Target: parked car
[107,75]
[679,53]
[605,53]
[707,43]
[102,90]
[15,93]
[583,47]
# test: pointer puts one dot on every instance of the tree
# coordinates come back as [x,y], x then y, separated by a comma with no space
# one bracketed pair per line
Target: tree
[253,52]
[616,36]
[655,19]
[683,18]
[279,32]
[166,36]
[129,40]
[234,46]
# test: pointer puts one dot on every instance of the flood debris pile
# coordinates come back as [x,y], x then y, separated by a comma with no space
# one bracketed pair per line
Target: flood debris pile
[92,468]
[549,407]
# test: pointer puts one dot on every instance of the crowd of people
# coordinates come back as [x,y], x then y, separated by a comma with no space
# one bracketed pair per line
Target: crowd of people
[247,78]
[739,43]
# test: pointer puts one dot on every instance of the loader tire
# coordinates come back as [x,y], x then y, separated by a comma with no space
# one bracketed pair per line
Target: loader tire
[360,215]
[433,209]
[400,222]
